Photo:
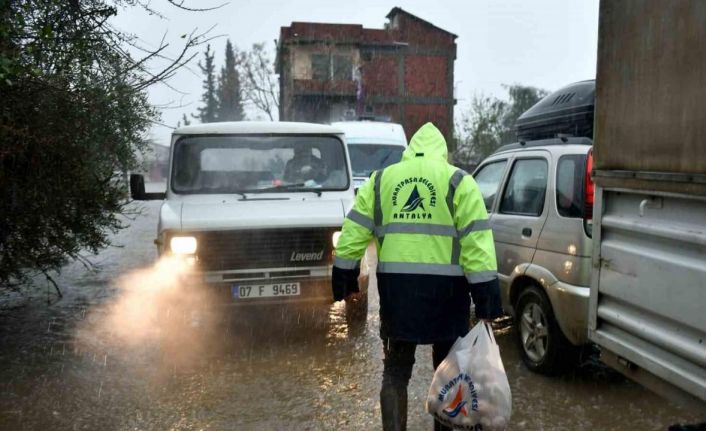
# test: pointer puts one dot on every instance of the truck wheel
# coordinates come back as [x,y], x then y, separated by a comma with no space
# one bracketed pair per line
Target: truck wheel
[543,347]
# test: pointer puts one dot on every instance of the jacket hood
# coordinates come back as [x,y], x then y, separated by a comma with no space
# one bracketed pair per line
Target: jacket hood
[428,141]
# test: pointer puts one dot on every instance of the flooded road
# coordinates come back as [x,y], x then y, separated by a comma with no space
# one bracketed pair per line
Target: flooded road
[72,365]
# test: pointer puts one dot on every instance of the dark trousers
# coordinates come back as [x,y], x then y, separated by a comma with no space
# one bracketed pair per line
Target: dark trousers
[398,363]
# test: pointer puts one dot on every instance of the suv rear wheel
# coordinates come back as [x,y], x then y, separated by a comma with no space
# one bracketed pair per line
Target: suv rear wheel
[543,347]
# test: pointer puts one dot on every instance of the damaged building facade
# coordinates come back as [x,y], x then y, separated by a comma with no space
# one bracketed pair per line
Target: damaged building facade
[403,73]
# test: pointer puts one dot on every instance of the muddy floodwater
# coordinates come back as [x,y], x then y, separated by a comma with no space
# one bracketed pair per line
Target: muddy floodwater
[117,354]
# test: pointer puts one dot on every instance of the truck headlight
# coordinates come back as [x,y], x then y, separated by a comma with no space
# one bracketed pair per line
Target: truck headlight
[183,245]
[334,238]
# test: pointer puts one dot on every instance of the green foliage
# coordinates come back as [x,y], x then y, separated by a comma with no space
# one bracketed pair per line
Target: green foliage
[73,117]
[208,113]
[229,94]
[490,123]
[480,130]
[248,77]
[521,99]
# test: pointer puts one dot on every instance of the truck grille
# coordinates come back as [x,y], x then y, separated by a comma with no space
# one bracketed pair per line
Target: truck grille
[265,248]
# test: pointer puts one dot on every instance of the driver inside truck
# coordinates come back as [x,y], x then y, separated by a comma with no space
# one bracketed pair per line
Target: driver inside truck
[304,166]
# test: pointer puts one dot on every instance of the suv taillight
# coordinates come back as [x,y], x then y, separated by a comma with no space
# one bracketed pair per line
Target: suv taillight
[589,188]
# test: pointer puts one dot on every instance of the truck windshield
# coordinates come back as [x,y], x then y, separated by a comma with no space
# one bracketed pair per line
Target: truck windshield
[366,158]
[233,164]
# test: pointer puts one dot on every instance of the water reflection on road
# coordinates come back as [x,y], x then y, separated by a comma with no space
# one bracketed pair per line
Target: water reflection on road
[62,367]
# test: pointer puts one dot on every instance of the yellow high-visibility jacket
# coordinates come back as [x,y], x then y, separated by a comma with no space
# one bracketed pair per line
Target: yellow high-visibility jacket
[433,240]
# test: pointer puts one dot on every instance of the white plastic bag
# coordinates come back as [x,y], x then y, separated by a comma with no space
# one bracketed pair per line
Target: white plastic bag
[470,390]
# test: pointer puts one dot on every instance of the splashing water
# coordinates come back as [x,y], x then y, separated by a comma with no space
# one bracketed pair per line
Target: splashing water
[161,313]
[145,296]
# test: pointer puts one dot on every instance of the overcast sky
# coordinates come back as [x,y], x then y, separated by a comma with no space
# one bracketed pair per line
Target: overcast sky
[543,43]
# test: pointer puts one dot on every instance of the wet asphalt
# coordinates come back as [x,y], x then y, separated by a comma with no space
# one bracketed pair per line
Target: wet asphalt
[123,350]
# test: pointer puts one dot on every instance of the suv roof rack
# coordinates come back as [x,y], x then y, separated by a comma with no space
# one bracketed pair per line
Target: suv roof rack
[563,140]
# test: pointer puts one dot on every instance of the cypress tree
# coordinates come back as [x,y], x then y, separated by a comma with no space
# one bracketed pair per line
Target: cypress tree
[208,112]
[230,100]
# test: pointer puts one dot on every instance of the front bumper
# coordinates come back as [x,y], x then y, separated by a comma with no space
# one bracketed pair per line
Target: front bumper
[312,290]
[314,284]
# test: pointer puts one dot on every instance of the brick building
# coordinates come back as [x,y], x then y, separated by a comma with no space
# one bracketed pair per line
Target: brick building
[333,72]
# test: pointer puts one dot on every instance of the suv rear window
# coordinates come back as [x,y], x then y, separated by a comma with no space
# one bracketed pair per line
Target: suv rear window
[569,185]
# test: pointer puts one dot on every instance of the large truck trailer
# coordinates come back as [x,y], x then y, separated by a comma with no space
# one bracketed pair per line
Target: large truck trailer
[648,293]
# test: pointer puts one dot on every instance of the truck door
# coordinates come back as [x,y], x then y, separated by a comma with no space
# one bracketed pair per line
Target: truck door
[521,211]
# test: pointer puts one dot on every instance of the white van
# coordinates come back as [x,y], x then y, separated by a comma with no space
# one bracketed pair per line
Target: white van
[258,206]
[372,145]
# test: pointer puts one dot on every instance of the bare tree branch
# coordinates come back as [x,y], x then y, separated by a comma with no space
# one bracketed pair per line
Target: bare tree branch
[180,5]
[159,123]
[56,286]
[260,88]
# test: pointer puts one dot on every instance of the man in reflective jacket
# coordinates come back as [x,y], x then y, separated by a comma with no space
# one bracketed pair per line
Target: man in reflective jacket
[434,245]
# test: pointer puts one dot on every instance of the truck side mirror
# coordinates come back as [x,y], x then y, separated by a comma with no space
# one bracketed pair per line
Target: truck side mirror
[137,189]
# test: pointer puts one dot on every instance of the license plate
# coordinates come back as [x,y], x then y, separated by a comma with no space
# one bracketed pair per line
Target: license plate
[245,291]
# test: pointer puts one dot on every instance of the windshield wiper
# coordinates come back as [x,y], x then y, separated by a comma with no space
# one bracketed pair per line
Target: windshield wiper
[223,190]
[299,187]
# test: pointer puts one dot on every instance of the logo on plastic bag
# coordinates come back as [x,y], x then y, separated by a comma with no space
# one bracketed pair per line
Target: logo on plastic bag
[458,405]
[460,402]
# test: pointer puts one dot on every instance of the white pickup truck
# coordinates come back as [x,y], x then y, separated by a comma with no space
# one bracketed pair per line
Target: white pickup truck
[257,206]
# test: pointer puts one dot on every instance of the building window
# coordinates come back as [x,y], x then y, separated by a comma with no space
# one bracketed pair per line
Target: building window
[342,67]
[320,67]
[337,67]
